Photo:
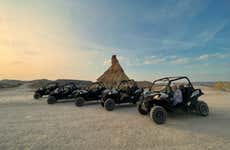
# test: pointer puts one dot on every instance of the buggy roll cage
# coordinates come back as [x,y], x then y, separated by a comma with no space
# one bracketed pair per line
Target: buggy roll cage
[171,79]
[99,83]
[126,81]
[49,83]
[70,83]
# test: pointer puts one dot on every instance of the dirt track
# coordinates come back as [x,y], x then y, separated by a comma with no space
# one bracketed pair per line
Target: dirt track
[30,124]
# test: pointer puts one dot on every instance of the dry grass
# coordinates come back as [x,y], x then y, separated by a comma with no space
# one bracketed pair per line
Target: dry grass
[224,86]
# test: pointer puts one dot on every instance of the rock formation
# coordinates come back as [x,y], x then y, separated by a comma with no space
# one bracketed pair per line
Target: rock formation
[113,75]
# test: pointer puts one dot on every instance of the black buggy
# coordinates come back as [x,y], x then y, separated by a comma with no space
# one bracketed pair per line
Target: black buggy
[64,92]
[45,90]
[126,92]
[92,93]
[158,99]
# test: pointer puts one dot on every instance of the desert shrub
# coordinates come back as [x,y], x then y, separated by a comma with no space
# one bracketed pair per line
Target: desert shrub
[225,86]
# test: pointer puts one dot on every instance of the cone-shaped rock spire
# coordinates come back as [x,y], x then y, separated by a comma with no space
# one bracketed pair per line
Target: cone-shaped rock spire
[113,75]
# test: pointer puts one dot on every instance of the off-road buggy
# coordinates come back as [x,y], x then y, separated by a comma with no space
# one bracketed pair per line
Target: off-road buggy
[45,90]
[126,92]
[92,93]
[158,99]
[64,92]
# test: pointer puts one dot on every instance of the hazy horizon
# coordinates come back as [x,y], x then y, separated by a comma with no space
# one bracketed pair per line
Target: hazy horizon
[75,39]
[27,80]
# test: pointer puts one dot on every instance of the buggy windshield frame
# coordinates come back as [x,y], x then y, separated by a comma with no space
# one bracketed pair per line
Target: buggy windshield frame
[169,80]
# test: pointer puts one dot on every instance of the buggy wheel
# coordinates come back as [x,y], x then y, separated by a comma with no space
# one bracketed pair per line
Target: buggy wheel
[158,114]
[79,101]
[202,108]
[109,104]
[51,100]
[134,102]
[141,110]
[37,96]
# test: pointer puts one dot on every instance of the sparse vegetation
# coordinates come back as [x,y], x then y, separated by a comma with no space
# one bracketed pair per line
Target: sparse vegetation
[224,86]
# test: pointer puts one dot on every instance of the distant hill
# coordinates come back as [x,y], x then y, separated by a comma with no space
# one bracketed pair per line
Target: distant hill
[40,82]
[43,82]
[10,83]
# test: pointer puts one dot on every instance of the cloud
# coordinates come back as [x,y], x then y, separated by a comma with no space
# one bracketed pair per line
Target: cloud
[16,62]
[219,55]
[154,60]
[175,9]
[165,59]
[107,62]
[127,61]
[212,56]
[177,44]
[203,57]
[210,33]
[180,61]
[31,52]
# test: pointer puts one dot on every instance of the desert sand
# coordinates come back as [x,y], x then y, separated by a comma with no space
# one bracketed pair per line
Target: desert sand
[32,124]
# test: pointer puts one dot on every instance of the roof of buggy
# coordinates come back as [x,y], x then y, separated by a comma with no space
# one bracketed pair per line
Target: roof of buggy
[172,78]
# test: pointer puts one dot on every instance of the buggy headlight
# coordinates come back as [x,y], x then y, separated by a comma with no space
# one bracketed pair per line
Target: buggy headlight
[156,97]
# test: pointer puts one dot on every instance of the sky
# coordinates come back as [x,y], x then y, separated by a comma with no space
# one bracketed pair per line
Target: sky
[75,39]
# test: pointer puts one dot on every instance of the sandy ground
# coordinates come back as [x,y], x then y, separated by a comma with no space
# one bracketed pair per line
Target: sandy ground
[31,124]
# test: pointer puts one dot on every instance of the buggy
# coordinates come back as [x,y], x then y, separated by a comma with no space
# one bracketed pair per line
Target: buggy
[126,92]
[45,90]
[92,93]
[66,91]
[158,100]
